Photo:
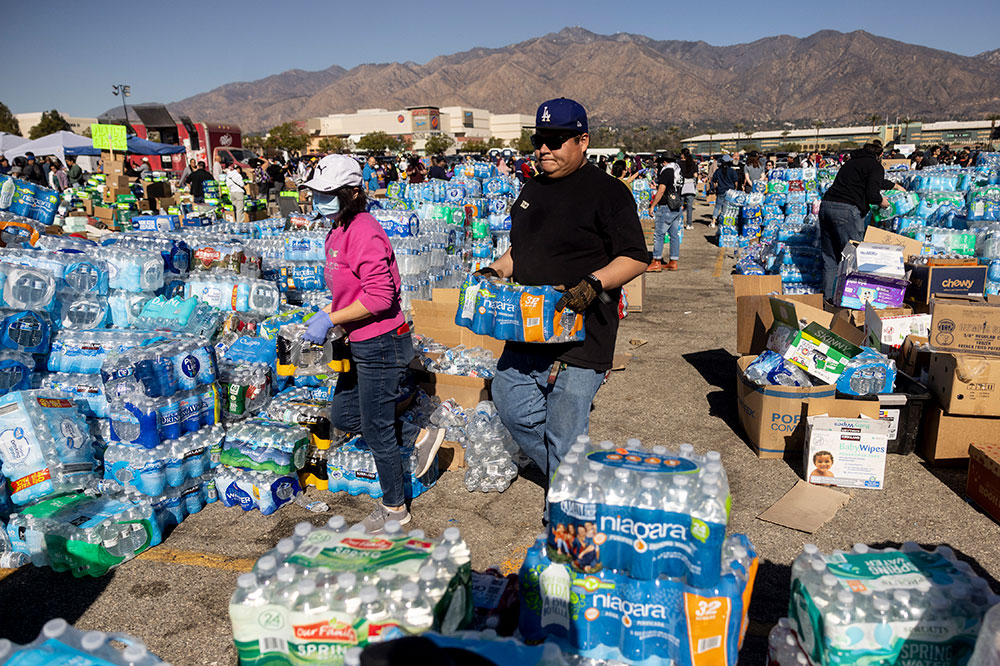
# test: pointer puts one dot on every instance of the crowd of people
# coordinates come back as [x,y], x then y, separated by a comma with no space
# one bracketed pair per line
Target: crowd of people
[48,171]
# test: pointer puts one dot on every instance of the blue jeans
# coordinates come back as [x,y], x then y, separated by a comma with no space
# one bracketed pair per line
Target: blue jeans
[365,402]
[667,221]
[545,419]
[839,224]
[688,200]
[720,203]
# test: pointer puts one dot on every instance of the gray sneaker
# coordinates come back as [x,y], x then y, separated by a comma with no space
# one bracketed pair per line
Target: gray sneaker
[426,448]
[375,522]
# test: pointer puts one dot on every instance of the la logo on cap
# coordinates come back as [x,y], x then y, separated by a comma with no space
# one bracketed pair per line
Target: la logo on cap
[546,117]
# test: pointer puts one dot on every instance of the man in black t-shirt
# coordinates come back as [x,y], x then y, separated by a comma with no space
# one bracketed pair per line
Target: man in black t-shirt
[197,182]
[572,225]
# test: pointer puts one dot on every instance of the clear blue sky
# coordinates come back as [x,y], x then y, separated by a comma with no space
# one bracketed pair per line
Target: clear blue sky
[169,50]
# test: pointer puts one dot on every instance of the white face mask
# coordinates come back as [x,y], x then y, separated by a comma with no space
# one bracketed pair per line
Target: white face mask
[326,204]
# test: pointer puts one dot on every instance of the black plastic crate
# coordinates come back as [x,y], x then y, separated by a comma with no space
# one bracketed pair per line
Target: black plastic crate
[904,408]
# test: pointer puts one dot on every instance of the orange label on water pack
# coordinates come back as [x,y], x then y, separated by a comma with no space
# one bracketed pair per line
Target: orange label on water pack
[747,591]
[32,479]
[708,620]
[532,316]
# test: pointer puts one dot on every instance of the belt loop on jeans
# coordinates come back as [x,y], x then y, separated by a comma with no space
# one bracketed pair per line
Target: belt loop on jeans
[404,329]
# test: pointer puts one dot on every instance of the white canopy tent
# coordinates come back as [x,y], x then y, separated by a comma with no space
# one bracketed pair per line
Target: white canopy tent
[56,144]
[10,141]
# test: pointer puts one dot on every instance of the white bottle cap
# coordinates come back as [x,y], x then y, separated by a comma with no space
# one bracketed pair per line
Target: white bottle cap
[392,527]
[439,553]
[845,596]
[452,534]
[267,564]
[347,580]
[134,652]
[901,596]
[829,580]
[306,586]
[647,482]
[410,591]
[90,641]
[417,534]
[246,580]
[54,628]
[606,445]
[336,523]
[660,450]
[285,546]
[633,443]
[880,604]
[427,573]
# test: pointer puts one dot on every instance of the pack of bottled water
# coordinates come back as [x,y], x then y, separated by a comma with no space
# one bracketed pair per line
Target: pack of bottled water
[85,351]
[251,490]
[868,605]
[326,590]
[508,311]
[607,615]
[61,643]
[139,420]
[771,369]
[84,533]
[176,503]
[151,471]
[230,291]
[179,314]
[244,389]
[160,369]
[459,360]
[45,445]
[661,513]
[301,406]
[489,451]
[299,357]
[175,252]
[350,468]
[266,446]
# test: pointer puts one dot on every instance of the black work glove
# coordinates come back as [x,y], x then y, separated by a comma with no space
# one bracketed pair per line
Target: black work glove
[486,272]
[579,297]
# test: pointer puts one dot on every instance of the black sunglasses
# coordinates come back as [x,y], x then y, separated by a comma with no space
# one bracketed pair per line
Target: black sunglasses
[553,141]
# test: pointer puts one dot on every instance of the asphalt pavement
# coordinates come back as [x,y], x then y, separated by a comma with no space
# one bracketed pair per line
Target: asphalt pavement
[678,387]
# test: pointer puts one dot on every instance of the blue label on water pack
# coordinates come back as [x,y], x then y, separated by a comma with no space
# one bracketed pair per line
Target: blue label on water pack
[190,366]
[237,496]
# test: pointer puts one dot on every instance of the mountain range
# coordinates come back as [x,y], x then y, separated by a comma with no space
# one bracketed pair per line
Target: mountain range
[631,79]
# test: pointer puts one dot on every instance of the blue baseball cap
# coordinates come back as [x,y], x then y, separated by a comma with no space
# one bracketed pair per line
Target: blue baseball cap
[561,114]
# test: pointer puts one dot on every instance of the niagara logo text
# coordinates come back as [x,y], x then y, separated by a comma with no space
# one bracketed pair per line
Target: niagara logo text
[646,531]
[615,603]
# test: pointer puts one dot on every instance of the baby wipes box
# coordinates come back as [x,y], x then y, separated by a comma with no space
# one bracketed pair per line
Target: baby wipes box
[846,452]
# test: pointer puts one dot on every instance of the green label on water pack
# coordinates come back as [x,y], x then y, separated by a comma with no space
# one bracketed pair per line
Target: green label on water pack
[359,553]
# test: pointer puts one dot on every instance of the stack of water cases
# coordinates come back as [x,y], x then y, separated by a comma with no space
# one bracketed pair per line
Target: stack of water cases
[165,425]
[324,591]
[260,464]
[869,606]
[350,468]
[59,643]
[636,564]
[508,311]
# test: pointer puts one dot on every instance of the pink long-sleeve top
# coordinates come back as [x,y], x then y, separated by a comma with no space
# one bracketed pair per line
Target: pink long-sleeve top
[361,266]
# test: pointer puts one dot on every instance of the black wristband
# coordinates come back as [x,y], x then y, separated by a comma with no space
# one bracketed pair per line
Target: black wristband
[595,283]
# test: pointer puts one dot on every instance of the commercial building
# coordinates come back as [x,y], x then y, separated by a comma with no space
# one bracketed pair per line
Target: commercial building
[950,132]
[418,123]
[29,120]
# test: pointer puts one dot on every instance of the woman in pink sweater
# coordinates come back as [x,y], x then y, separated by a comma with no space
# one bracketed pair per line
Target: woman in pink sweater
[363,280]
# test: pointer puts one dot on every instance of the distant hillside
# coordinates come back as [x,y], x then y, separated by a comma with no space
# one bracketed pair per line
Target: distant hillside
[625,78]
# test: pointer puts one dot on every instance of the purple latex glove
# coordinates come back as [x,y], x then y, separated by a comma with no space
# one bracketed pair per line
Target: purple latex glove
[319,325]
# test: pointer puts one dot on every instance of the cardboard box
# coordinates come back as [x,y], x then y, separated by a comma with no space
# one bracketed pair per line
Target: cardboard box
[635,293]
[104,214]
[857,317]
[451,456]
[821,352]
[773,417]
[914,358]
[856,290]
[889,332]
[966,326]
[911,246]
[466,391]
[119,181]
[929,281]
[846,452]
[873,259]
[436,319]
[983,486]
[754,315]
[965,384]
[946,438]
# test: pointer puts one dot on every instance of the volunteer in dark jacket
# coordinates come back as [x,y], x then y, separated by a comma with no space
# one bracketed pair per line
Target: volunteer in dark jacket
[859,183]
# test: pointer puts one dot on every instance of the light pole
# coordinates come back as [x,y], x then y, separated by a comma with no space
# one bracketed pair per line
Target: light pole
[124,91]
